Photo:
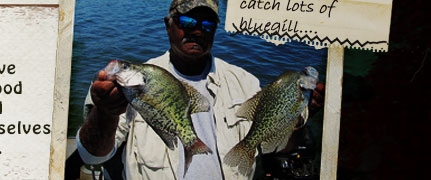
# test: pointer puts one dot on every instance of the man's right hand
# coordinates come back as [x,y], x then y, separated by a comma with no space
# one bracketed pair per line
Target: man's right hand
[97,134]
[106,96]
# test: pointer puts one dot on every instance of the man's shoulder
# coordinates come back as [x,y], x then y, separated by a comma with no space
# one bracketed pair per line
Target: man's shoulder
[162,60]
[229,69]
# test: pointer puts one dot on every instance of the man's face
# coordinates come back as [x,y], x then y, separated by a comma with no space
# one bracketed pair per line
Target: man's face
[192,43]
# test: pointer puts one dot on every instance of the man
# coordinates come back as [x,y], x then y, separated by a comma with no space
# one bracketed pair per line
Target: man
[191,26]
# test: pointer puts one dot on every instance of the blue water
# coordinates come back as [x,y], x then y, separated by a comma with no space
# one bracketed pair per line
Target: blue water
[134,30]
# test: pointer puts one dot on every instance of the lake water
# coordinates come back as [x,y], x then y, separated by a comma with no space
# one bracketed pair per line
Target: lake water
[134,30]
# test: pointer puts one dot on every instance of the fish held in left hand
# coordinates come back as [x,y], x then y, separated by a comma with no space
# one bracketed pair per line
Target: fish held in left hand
[164,102]
[275,111]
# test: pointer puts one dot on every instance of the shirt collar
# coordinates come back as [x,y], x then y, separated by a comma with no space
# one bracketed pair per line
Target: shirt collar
[212,78]
[212,75]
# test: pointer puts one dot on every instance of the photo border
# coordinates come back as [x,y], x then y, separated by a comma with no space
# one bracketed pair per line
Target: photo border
[63,66]
[62,89]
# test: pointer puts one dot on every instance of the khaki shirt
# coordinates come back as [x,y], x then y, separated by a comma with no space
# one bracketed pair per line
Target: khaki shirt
[147,157]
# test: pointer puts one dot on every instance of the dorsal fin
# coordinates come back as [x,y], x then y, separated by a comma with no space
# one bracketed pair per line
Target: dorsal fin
[248,108]
[199,103]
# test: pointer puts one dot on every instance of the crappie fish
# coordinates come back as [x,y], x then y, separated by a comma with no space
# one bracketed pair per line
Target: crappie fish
[275,111]
[164,102]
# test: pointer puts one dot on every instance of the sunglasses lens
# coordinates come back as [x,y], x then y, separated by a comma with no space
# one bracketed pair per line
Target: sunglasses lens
[208,26]
[187,22]
[190,23]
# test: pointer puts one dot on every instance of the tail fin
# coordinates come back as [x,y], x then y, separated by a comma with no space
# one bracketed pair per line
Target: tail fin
[197,148]
[241,156]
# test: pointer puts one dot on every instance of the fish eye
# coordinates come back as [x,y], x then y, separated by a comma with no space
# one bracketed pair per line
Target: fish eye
[125,66]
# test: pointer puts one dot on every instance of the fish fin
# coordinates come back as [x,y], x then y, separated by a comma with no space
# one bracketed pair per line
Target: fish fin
[248,108]
[169,139]
[130,113]
[303,118]
[241,156]
[188,158]
[277,142]
[199,103]
[197,148]
[284,141]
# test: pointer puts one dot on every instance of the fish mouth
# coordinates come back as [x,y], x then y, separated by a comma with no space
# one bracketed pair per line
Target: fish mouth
[309,78]
[111,69]
[124,74]
[130,79]
[310,71]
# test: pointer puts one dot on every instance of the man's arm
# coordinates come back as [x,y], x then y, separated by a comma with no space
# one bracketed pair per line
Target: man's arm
[97,134]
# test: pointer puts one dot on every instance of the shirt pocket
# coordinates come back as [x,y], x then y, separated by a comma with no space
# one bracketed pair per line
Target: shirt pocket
[149,147]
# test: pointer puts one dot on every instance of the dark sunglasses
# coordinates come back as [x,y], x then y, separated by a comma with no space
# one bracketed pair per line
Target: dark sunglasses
[189,23]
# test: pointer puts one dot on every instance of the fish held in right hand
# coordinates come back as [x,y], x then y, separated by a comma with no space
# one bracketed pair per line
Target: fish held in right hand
[164,102]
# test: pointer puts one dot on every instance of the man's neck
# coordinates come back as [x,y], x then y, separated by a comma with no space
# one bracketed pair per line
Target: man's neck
[189,67]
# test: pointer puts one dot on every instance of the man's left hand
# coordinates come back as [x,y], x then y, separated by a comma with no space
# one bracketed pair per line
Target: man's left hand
[317,97]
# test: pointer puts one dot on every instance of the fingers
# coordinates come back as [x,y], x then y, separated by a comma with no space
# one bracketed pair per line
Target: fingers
[317,98]
[120,107]
[101,88]
[115,92]
[106,95]
[102,75]
[114,103]
[316,104]
[320,87]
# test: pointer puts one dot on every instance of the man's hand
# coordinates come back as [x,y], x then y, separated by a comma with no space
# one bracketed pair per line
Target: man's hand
[106,96]
[317,98]
[97,134]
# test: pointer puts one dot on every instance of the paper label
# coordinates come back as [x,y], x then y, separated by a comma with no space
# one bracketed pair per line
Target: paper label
[28,50]
[362,24]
